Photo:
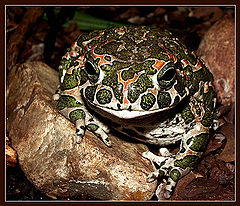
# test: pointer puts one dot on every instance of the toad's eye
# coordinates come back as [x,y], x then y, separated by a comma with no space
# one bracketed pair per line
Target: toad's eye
[167,76]
[90,68]
[92,71]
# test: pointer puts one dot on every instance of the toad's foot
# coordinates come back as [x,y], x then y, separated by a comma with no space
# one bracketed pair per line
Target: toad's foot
[167,168]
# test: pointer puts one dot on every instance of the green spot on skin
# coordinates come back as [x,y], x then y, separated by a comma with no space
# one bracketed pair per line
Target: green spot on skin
[118,92]
[67,63]
[86,37]
[106,67]
[209,108]
[133,92]
[187,114]
[104,96]
[70,81]
[157,52]
[138,67]
[138,87]
[108,48]
[90,92]
[147,101]
[127,74]
[110,79]
[76,114]
[175,175]
[188,76]
[92,127]
[208,98]
[83,77]
[198,110]
[202,74]
[199,142]
[207,119]
[188,161]
[108,58]
[163,99]
[67,102]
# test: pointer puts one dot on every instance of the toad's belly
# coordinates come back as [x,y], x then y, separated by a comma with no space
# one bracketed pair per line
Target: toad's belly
[161,133]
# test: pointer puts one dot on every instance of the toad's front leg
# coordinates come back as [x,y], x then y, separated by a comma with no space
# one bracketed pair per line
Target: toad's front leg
[175,166]
[73,108]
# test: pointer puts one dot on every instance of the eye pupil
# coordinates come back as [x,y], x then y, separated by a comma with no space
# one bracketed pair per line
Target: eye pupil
[89,68]
[168,75]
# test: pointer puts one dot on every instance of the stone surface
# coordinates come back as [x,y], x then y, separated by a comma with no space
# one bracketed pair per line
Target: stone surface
[217,49]
[228,153]
[48,154]
[11,154]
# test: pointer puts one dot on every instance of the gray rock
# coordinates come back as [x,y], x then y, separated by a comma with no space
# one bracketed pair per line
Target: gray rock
[48,154]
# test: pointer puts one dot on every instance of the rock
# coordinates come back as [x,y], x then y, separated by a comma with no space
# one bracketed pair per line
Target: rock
[211,13]
[228,153]
[11,154]
[48,154]
[217,49]
[215,143]
[200,186]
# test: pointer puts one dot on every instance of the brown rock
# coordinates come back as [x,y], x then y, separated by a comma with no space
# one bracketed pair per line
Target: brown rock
[48,154]
[11,154]
[210,13]
[216,142]
[228,153]
[200,187]
[218,51]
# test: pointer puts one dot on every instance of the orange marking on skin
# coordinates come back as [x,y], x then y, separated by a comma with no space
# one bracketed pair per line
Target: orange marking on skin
[73,92]
[153,91]
[80,61]
[74,44]
[119,76]
[102,60]
[121,47]
[171,57]
[125,100]
[67,56]
[87,48]
[206,87]
[185,61]
[70,70]
[158,64]
[125,85]
[73,53]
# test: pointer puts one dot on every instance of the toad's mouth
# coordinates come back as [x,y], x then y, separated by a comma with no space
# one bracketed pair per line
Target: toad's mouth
[124,114]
